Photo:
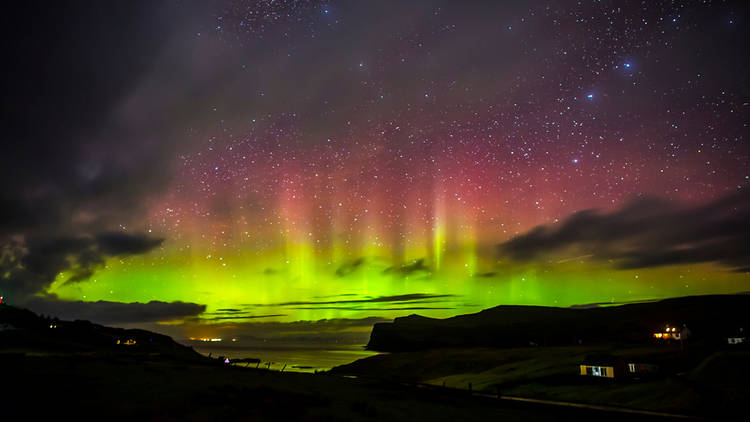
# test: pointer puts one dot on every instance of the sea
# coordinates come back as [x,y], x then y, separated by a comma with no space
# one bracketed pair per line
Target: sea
[288,357]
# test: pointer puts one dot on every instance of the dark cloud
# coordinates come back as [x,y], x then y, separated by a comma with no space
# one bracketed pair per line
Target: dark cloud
[28,267]
[71,157]
[116,313]
[118,243]
[354,308]
[407,298]
[349,267]
[416,266]
[235,314]
[339,295]
[241,317]
[85,141]
[647,232]
[371,263]
[612,303]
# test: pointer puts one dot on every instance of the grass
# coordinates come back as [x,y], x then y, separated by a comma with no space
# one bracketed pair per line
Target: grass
[142,388]
[706,387]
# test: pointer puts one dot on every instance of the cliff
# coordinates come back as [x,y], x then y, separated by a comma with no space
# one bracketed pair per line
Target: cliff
[707,317]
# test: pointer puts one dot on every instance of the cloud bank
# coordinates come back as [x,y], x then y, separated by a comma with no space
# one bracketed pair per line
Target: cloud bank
[28,267]
[646,232]
[116,313]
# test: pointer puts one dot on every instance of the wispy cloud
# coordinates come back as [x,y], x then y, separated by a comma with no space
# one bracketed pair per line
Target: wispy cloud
[241,317]
[406,298]
[417,266]
[647,232]
[354,308]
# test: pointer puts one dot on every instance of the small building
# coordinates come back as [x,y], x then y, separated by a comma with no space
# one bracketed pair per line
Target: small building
[672,332]
[636,369]
[603,367]
[737,337]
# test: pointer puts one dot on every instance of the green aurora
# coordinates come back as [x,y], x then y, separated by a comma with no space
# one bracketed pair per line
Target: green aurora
[295,289]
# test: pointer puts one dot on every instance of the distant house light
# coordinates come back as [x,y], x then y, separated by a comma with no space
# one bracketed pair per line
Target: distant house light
[738,337]
[672,333]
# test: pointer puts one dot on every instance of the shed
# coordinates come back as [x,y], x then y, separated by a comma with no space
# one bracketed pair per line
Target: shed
[638,369]
[603,366]
[737,337]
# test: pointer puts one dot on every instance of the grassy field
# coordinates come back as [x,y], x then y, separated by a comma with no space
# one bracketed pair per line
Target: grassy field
[90,387]
[709,383]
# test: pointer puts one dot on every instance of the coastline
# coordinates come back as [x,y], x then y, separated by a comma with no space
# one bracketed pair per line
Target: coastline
[288,356]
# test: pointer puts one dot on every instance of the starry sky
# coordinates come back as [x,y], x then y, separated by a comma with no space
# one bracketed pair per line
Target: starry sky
[232,162]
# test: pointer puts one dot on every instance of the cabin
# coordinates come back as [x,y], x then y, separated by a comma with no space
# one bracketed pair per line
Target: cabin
[672,332]
[603,367]
[637,370]
[737,337]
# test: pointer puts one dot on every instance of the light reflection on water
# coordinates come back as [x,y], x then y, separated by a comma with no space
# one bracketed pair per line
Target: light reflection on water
[300,358]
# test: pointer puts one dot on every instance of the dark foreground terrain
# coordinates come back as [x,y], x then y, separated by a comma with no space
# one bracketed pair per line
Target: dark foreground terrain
[536,352]
[56,370]
[713,386]
[92,388]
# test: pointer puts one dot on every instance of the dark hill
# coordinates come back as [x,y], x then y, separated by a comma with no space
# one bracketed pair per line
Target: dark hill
[23,331]
[707,317]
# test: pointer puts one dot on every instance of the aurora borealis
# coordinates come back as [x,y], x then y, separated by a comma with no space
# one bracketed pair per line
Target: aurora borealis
[307,160]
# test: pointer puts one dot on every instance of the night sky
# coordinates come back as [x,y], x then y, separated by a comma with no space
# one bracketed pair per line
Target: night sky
[227,163]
